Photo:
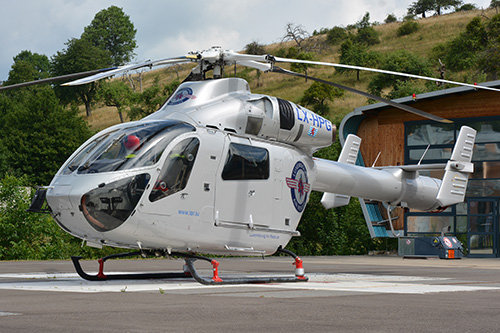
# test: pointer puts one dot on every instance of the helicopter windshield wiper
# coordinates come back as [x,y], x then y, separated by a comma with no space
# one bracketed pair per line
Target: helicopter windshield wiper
[84,167]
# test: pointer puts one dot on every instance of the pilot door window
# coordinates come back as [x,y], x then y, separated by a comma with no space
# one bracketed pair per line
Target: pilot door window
[246,163]
[176,170]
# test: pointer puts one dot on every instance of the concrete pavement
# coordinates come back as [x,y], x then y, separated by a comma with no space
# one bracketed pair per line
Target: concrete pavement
[369,293]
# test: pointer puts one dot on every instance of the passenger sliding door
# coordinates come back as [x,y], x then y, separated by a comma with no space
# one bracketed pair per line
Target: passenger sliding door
[244,191]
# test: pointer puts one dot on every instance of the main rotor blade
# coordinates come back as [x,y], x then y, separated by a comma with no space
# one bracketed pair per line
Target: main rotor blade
[56,78]
[255,64]
[126,68]
[298,61]
[260,62]
[380,99]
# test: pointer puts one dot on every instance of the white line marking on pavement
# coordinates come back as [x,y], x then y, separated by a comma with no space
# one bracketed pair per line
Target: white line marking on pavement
[9,314]
[361,283]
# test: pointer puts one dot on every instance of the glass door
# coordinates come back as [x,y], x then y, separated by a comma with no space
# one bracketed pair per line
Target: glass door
[482,226]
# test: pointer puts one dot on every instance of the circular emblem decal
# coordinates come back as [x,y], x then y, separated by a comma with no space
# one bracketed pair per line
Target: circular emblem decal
[299,186]
[181,96]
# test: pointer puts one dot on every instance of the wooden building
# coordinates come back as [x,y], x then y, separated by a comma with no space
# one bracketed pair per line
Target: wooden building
[402,138]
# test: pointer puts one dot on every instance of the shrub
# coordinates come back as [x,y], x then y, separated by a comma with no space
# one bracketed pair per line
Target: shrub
[32,236]
[391,18]
[336,35]
[408,28]
[367,36]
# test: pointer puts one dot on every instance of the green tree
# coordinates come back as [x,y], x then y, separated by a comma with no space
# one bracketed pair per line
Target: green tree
[488,60]
[391,18]
[28,66]
[258,49]
[405,88]
[399,61]
[463,51]
[420,7]
[151,99]
[356,54]
[317,96]
[364,22]
[255,48]
[117,94]
[80,55]
[366,34]
[296,53]
[440,5]
[495,4]
[336,35]
[38,134]
[112,30]
[466,7]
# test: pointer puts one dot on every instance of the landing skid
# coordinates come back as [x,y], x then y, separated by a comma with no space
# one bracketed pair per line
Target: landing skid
[189,271]
[100,276]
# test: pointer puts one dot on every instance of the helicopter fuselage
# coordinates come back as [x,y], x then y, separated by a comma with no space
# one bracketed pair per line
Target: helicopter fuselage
[221,170]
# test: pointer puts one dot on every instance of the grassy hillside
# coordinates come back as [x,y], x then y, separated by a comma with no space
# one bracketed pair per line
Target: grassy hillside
[433,30]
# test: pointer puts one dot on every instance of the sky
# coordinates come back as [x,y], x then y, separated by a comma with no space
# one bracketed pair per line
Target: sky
[168,28]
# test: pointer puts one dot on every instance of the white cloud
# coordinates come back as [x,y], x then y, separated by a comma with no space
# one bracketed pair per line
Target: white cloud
[170,28]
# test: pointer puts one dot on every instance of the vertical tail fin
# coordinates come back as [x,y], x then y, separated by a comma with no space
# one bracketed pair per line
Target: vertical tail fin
[458,169]
[348,155]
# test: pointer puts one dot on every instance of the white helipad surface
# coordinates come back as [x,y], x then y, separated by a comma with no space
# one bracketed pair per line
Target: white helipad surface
[362,283]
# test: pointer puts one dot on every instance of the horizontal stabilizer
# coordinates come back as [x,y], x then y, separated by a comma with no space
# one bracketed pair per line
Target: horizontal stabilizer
[332,200]
[458,169]
[348,155]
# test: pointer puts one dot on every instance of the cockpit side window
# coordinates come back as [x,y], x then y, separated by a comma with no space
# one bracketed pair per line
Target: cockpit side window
[108,206]
[176,170]
[245,162]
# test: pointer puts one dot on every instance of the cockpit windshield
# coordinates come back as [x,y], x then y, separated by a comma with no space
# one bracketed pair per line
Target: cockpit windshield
[139,145]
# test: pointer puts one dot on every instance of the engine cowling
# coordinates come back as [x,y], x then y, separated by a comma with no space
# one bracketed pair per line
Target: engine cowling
[290,123]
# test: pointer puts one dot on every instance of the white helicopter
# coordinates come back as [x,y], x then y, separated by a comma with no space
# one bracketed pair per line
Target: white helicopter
[219,170]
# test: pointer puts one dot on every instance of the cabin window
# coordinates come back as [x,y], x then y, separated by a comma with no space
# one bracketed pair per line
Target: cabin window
[176,170]
[245,163]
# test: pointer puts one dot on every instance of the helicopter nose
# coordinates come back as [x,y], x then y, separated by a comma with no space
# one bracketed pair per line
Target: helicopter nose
[61,205]
[106,206]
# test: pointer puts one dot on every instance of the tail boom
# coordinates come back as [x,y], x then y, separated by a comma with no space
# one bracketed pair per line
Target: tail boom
[399,185]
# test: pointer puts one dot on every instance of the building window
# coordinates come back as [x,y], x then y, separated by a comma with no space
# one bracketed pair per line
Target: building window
[439,139]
